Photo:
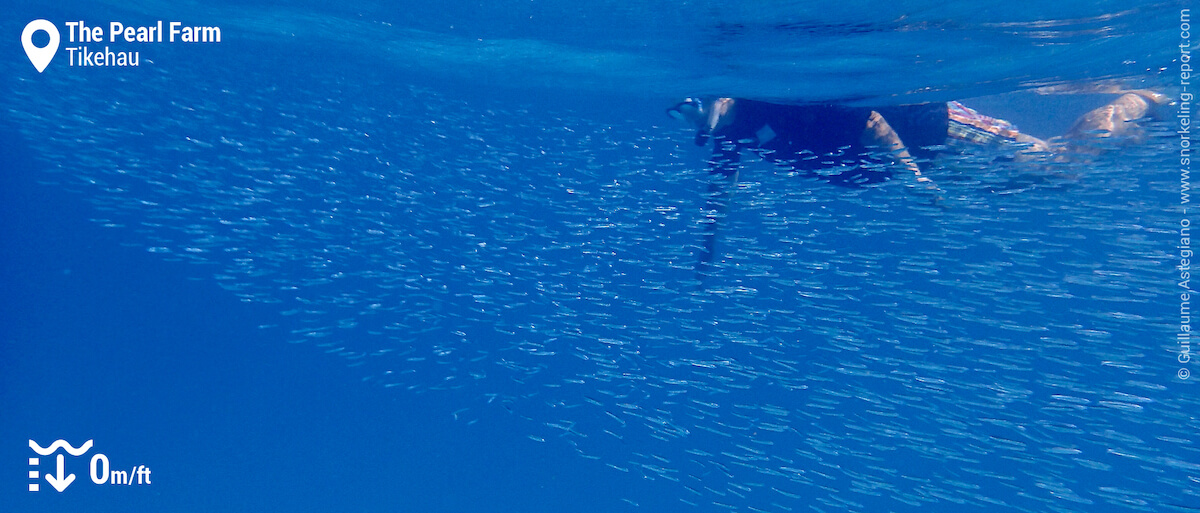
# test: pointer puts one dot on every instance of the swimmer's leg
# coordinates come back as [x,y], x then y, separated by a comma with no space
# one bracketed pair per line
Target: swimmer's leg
[1116,118]
[968,126]
[1002,143]
[880,134]
[1031,146]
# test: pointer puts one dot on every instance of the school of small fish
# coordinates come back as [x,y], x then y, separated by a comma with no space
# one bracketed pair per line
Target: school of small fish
[849,351]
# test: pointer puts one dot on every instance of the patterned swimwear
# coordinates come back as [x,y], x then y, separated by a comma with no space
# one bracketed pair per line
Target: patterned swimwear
[970,126]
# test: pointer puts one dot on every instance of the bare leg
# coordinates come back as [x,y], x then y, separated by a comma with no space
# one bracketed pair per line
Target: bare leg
[1033,146]
[1115,119]
[880,134]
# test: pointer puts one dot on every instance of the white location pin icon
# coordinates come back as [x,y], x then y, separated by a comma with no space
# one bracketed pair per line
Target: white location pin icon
[40,57]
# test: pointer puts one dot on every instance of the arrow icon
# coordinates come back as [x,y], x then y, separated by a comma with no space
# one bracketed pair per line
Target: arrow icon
[59,483]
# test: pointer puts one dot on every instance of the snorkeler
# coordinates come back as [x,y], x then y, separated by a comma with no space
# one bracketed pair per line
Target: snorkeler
[858,146]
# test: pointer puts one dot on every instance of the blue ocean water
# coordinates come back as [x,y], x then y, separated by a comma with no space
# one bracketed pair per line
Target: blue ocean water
[377,257]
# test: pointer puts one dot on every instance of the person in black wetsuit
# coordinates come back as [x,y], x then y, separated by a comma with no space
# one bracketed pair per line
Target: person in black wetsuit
[858,146]
[827,142]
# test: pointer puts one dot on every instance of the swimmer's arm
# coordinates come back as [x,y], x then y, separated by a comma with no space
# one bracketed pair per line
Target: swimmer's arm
[716,206]
[880,134]
[725,159]
[724,167]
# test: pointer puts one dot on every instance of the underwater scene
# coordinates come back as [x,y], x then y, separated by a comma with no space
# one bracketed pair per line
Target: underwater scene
[459,257]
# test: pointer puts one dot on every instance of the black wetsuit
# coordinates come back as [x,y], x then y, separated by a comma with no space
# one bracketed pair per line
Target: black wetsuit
[812,138]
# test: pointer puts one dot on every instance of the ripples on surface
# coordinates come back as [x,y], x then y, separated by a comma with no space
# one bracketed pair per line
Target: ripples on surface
[792,51]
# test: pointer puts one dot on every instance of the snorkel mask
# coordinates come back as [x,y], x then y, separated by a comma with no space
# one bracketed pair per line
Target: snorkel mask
[691,111]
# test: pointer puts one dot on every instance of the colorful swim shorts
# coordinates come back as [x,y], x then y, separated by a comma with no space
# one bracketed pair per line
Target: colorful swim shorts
[970,126]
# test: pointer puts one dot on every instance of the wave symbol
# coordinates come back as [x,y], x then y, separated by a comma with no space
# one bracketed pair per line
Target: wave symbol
[60,444]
